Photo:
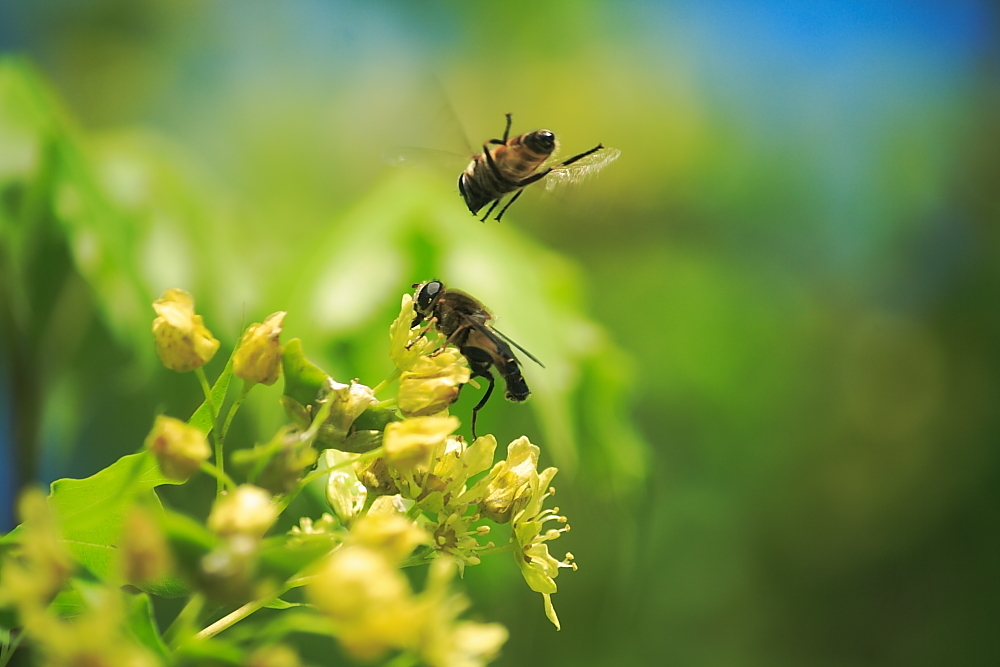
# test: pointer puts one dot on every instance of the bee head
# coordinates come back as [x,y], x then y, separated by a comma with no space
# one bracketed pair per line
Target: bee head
[426,296]
[541,141]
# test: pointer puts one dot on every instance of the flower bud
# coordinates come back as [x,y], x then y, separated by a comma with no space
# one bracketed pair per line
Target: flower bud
[345,494]
[246,511]
[144,552]
[274,655]
[258,357]
[182,341]
[179,447]
[409,444]
[348,402]
[433,383]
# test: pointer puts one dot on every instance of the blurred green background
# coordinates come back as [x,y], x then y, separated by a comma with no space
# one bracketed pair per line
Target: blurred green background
[770,329]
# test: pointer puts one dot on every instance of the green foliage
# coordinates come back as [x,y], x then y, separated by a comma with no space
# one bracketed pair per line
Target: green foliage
[403,492]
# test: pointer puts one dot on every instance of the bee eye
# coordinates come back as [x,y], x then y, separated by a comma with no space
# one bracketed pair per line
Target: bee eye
[427,293]
[542,141]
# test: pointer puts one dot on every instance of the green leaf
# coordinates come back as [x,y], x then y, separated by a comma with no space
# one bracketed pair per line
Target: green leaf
[141,623]
[303,379]
[92,511]
[202,417]
[204,651]
[283,604]
[295,621]
[68,603]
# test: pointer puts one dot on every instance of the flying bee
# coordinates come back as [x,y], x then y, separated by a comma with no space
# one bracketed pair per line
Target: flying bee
[510,164]
[464,322]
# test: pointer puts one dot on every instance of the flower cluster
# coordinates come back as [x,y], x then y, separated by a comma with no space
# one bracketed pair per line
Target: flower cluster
[402,487]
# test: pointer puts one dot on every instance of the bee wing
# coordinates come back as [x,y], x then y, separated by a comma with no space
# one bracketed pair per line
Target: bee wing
[428,157]
[514,343]
[582,168]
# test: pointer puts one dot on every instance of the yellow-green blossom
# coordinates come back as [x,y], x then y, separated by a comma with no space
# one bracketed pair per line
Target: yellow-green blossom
[432,383]
[348,402]
[538,567]
[40,565]
[368,599]
[409,444]
[510,483]
[182,341]
[375,475]
[446,641]
[249,510]
[454,534]
[274,655]
[179,448]
[390,533]
[325,525]
[227,570]
[344,492]
[406,344]
[94,637]
[258,357]
[442,485]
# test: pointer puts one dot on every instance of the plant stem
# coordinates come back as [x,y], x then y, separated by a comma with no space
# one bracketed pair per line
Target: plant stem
[219,475]
[498,550]
[7,650]
[386,382]
[215,427]
[185,619]
[247,386]
[235,617]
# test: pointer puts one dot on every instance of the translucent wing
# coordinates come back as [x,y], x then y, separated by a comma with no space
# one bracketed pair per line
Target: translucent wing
[426,157]
[512,342]
[582,168]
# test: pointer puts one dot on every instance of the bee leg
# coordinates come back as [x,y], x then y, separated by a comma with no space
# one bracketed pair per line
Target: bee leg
[482,402]
[581,155]
[495,202]
[506,133]
[512,200]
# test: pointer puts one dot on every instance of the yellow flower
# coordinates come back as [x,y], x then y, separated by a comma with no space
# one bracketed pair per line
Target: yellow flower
[506,489]
[368,599]
[179,448]
[538,567]
[409,444]
[444,640]
[258,357]
[407,343]
[248,510]
[182,341]
[40,565]
[95,636]
[432,383]
[274,655]
[344,492]
[348,402]
[390,533]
